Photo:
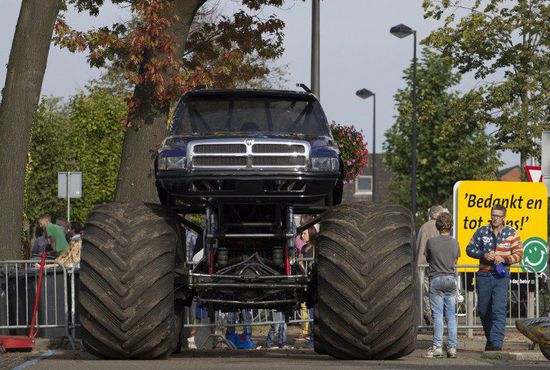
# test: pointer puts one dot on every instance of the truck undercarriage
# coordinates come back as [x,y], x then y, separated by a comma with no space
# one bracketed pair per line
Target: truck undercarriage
[249,259]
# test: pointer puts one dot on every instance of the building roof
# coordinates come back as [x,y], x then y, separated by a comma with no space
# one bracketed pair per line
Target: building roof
[506,170]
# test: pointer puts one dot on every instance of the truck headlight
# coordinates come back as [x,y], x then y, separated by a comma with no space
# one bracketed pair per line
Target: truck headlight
[325,164]
[172,163]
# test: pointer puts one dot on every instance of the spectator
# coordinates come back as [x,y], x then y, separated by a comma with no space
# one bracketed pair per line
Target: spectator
[497,246]
[194,253]
[75,231]
[55,234]
[281,328]
[427,231]
[309,236]
[40,243]
[200,315]
[70,258]
[441,253]
[190,242]
[62,221]
[299,242]
[244,340]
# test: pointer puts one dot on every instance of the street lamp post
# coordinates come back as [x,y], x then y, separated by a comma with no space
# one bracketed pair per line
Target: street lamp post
[316,48]
[402,31]
[365,94]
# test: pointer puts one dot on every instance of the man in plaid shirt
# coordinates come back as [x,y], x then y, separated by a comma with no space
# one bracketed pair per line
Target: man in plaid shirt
[494,244]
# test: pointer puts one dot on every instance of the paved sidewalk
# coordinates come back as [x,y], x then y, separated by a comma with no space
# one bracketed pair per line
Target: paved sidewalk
[516,347]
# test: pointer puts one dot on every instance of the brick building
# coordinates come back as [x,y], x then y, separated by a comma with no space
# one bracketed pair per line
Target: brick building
[361,189]
[510,174]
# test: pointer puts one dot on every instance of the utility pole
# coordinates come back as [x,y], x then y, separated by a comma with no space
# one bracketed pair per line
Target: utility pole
[316,48]
[413,134]
[374,148]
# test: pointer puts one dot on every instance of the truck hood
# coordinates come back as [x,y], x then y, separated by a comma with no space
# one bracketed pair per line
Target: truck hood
[180,141]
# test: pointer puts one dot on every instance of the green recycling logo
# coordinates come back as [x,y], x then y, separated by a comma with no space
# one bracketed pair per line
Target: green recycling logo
[535,254]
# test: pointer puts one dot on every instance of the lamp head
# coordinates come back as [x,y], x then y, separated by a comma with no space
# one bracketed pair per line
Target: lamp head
[401,31]
[364,93]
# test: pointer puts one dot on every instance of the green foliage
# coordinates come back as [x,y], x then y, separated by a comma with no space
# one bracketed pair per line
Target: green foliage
[353,149]
[46,157]
[83,134]
[507,43]
[451,141]
[219,52]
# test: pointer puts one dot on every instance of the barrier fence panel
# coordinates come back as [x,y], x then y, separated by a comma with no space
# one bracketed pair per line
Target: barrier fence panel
[523,296]
[18,288]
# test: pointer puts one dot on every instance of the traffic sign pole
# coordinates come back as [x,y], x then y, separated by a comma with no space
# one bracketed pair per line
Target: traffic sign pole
[68,197]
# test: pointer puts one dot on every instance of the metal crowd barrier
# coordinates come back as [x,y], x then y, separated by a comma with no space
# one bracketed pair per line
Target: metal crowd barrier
[523,297]
[57,316]
[219,322]
[208,333]
[18,285]
[254,317]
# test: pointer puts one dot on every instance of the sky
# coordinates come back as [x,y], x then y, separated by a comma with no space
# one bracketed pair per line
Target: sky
[357,51]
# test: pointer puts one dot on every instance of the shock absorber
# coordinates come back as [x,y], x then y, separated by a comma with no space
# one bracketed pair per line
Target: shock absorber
[277,256]
[222,257]
[211,243]
[291,232]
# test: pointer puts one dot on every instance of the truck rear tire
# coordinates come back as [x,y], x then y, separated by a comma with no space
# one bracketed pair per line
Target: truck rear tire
[126,296]
[365,306]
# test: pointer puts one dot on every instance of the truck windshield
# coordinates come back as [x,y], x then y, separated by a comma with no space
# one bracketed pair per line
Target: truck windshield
[235,114]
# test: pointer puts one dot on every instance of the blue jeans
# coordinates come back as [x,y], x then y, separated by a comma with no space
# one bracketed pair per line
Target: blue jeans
[443,301]
[232,318]
[492,299]
[276,316]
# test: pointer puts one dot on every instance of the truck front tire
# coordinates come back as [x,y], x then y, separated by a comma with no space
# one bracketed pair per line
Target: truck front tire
[365,306]
[126,293]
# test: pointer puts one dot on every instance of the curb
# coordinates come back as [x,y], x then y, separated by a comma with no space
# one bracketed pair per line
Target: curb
[514,356]
[478,346]
[41,345]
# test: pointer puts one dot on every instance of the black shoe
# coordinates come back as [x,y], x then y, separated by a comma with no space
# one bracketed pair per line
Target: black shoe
[490,347]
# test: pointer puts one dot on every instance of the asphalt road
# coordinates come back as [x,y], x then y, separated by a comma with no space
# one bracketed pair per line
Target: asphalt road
[273,359]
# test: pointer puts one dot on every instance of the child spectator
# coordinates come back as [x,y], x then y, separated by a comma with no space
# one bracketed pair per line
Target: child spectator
[441,253]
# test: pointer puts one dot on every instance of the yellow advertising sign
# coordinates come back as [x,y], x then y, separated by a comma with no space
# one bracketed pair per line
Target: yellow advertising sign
[526,205]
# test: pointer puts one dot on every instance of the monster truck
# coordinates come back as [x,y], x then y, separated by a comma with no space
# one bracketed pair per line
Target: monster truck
[249,160]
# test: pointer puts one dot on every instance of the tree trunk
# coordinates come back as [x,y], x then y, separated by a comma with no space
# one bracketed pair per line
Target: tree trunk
[523,157]
[135,182]
[25,72]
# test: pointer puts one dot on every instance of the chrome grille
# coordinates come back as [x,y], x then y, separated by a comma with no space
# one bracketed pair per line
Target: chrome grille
[220,148]
[219,161]
[278,161]
[278,148]
[242,154]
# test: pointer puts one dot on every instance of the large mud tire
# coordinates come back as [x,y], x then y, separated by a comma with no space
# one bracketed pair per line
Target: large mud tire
[126,293]
[365,306]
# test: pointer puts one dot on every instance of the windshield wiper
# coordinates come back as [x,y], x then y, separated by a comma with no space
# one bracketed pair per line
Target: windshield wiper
[198,115]
[307,109]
